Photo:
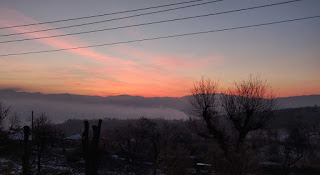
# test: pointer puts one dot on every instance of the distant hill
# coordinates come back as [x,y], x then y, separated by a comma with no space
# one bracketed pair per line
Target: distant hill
[125,100]
[299,101]
[65,106]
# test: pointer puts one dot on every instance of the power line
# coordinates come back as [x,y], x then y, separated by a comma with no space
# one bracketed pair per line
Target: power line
[99,15]
[113,19]
[149,23]
[164,37]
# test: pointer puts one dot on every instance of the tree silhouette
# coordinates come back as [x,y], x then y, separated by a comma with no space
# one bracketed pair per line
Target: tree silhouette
[4,112]
[148,130]
[204,105]
[43,134]
[249,105]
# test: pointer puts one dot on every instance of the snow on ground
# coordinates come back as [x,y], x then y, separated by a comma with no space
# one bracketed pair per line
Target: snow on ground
[74,137]
[2,160]
[18,135]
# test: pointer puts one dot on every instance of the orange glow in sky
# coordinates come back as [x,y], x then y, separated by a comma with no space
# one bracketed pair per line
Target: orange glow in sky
[123,69]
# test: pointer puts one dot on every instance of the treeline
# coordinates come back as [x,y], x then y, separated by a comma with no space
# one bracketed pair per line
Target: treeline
[180,149]
[145,146]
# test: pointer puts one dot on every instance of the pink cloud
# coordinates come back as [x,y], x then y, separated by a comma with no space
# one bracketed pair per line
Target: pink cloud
[170,62]
[9,17]
[150,75]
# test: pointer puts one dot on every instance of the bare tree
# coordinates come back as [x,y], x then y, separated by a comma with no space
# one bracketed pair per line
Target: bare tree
[249,105]
[43,134]
[297,145]
[4,112]
[148,130]
[204,106]
[14,121]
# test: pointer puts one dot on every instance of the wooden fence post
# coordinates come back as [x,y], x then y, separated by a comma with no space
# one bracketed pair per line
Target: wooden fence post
[25,157]
[95,148]
[85,144]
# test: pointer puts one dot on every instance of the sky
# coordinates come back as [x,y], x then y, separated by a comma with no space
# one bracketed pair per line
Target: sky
[286,55]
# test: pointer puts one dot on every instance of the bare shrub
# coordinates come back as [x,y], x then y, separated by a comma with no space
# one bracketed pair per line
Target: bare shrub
[4,112]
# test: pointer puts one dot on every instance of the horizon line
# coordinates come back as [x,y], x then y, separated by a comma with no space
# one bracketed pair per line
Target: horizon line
[33,92]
